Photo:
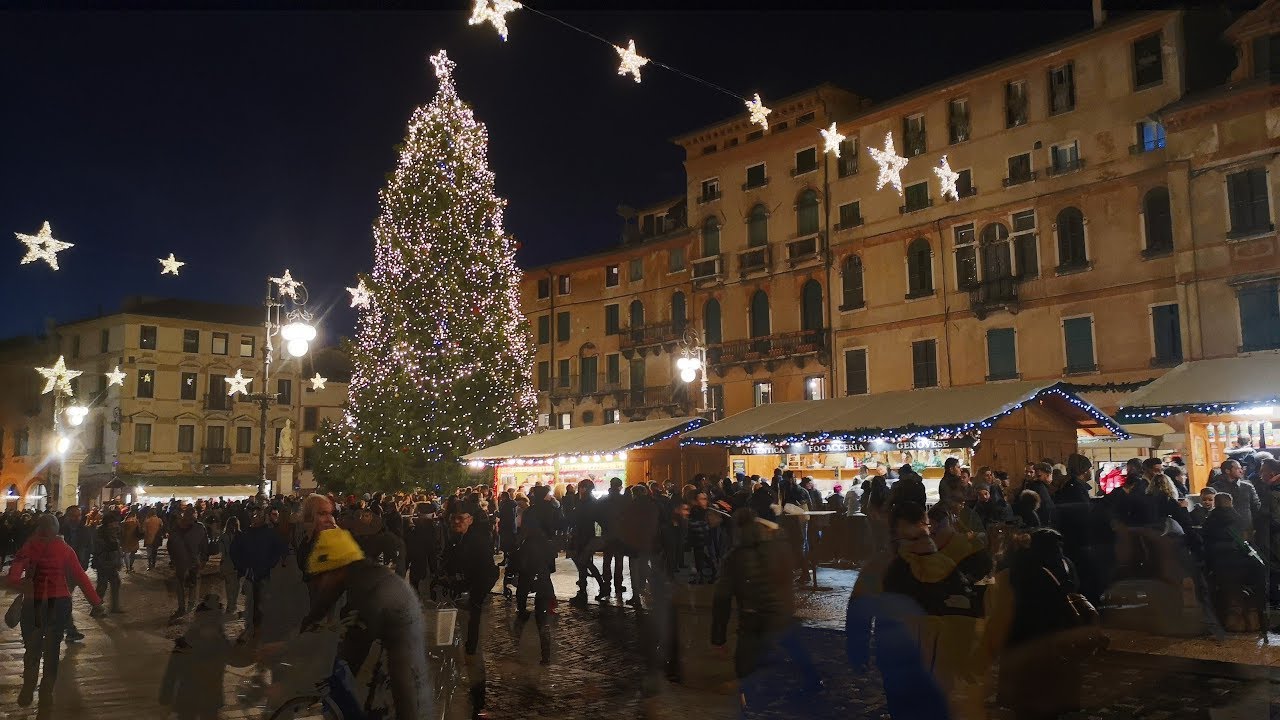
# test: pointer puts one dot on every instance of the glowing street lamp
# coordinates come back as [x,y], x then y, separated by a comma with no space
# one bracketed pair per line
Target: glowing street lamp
[76,414]
[297,337]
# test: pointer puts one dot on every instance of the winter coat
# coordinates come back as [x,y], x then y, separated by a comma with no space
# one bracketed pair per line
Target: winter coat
[757,576]
[80,538]
[107,553]
[188,548]
[470,556]
[1247,503]
[130,535]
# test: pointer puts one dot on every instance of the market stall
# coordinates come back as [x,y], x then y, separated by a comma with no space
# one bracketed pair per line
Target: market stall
[841,440]
[634,451]
[1212,403]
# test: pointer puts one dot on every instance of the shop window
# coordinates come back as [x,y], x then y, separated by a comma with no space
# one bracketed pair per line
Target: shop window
[1077,336]
[1259,317]
[855,371]
[1166,334]
[1002,357]
[924,363]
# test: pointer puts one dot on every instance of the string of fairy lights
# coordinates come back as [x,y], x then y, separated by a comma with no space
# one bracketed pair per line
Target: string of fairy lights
[890,163]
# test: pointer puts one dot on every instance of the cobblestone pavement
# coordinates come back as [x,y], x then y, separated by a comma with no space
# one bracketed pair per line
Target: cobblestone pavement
[598,667]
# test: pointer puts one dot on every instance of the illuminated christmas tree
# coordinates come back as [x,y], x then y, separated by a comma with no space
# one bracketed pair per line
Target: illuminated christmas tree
[442,359]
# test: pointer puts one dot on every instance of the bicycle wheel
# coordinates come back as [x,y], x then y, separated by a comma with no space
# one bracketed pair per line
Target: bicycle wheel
[308,707]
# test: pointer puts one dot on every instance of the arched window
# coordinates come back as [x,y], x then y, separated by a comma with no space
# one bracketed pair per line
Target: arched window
[637,314]
[1157,220]
[758,227]
[711,322]
[851,274]
[710,237]
[677,312]
[1071,250]
[811,306]
[759,314]
[919,268]
[807,213]
[997,261]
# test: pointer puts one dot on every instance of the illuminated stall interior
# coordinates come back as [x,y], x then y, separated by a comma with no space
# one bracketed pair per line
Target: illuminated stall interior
[1212,403]
[841,440]
[634,451]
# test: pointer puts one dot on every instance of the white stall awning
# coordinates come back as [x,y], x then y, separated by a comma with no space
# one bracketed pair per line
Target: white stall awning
[594,439]
[1218,386]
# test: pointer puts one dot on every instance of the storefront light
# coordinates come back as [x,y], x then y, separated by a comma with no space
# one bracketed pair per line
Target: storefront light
[608,457]
[476,464]
[1260,411]
[595,458]
[622,456]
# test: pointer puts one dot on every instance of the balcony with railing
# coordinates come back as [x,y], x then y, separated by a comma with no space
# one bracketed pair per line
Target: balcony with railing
[215,456]
[804,248]
[757,259]
[992,295]
[769,351]
[709,196]
[639,402]
[1019,178]
[641,338]
[708,269]
[585,386]
[1064,167]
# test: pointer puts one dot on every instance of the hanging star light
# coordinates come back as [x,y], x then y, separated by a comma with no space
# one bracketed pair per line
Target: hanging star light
[759,113]
[43,246]
[891,164]
[359,295]
[493,12]
[947,177]
[58,377]
[115,377]
[630,60]
[170,265]
[831,139]
[288,286]
[238,383]
[317,382]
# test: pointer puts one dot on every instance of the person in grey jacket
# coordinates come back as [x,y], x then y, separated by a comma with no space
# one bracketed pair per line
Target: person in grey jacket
[1245,495]
[188,548]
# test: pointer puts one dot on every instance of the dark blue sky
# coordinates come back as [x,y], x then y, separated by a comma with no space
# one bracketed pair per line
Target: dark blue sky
[246,142]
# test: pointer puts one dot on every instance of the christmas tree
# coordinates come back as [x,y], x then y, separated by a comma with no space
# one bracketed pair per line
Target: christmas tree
[442,359]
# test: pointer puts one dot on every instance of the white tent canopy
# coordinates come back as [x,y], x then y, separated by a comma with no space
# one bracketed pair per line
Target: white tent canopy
[953,409]
[1219,385]
[594,439]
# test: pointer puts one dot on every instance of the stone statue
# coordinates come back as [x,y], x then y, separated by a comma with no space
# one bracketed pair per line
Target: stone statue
[286,440]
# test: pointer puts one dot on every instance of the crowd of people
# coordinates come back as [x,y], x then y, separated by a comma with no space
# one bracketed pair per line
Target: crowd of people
[1032,555]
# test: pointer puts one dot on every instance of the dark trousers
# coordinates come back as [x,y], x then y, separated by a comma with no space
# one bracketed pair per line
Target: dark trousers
[256,598]
[109,577]
[585,560]
[188,588]
[43,624]
[153,552]
[639,564]
[611,571]
[540,584]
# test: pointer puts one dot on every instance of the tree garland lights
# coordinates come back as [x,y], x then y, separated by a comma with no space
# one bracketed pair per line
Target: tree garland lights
[442,360]
[937,432]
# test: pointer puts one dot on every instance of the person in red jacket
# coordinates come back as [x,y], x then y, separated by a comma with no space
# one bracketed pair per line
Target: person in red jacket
[40,570]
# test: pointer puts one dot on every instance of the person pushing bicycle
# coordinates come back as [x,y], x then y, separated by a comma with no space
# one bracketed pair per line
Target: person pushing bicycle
[380,606]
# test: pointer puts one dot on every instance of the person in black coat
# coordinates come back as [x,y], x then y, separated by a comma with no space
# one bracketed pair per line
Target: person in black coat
[422,546]
[908,488]
[1040,484]
[469,562]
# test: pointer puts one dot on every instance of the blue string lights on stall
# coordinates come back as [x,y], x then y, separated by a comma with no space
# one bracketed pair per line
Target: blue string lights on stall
[1220,408]
[942,432]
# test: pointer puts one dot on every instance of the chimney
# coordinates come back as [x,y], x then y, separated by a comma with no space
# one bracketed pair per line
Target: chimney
[1099,15]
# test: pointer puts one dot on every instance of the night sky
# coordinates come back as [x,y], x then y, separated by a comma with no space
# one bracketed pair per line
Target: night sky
[247,142]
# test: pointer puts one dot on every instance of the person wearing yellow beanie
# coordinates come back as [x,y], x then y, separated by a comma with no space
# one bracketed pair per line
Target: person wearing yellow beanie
[383,606]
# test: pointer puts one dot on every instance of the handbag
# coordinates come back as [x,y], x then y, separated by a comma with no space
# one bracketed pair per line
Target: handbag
[14,615]
[1086,638]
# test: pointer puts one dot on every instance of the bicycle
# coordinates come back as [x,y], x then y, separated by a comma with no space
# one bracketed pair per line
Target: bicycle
[444,641]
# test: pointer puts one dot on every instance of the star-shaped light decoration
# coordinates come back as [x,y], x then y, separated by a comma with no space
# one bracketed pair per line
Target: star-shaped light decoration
[170,265]
[288,286]
[759,113]
[629,60]
[43,246]
[58,377]
[891,164]
[493,12]
[317,382]
[947,178]
[831,139]
[115,377]
[359,295]
[238,383]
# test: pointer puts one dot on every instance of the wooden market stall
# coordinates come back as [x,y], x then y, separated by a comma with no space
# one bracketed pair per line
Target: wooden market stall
[643,451]
[1213,403]
[1004,425]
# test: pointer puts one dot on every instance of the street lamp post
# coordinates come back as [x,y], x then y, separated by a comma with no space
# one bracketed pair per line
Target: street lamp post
[293,326]
[692,366]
